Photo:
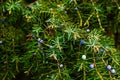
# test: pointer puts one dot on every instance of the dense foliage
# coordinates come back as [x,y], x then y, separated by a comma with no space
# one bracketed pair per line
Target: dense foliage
[59,40]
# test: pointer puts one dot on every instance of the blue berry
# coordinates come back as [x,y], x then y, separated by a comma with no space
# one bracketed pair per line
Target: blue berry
[88,30]
[108,67]
[5,62]
[39,41]
[0,42]
[45,54]
[113,71]
[82,42]
[76,8]
[102,50]
[39,44]
[3,20]
[33,36]
[61,65]
[97,57]
[91,66]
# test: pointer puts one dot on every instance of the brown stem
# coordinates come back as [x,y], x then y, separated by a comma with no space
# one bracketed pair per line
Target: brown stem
[96,67]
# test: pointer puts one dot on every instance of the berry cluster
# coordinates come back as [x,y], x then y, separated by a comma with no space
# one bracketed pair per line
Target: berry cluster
[111,69]
[82,42]
[39,41]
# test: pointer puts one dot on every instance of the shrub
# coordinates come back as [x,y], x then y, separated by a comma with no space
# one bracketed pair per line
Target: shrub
[56,40]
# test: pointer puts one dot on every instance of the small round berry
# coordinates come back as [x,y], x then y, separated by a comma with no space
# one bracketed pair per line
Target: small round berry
[83,57]
[101,50]
[61,24]
[88,30]
[50,47]
[5,62]
[108,67]
[113,71]
[97,57]
[76,8]
[39,39]
[51,9]
[39,44]
[33,36]
[52,76]
[107,47]
[91,66]
[0,42]
[65,12]
[3,20]
[82,42]
[47,76]
[61,65]
[46,62]
[45,54]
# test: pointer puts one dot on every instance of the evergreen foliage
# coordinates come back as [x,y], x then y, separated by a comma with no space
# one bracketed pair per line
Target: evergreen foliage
[59,40]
